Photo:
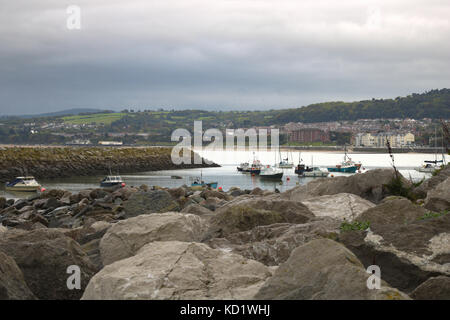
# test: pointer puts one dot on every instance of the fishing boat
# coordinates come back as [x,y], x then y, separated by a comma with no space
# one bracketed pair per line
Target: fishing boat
[112,181]
[269,172]
[198,182]
[346,166]
[301,168]
[243,167]
[255,168]
[24,184]
[315,172]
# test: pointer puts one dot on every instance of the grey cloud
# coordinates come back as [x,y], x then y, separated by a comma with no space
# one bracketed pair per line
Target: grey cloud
[251,54]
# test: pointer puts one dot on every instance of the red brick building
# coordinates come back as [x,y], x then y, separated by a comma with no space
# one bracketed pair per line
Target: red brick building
[309,135]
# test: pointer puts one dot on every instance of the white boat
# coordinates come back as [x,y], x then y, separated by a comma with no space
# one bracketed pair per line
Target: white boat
[284,163]
[24,184]
[431,166]
[316,173]
[269,172]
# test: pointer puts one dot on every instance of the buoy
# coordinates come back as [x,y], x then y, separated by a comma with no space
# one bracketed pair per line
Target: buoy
[220,188]
[43,189]
[288,179]
[123,184]
[332,175]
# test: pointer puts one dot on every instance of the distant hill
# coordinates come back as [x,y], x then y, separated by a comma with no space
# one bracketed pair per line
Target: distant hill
[432,104]
[68,112]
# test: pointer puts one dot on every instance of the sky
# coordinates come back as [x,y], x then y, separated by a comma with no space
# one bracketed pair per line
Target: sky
[218,54]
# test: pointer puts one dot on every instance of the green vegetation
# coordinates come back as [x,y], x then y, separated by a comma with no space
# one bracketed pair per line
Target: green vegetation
[431,215]
[397,187]
[96,118]
[354,226]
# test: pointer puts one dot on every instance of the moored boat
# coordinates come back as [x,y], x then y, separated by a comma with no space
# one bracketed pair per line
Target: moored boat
[243,167]
[24,184]
[315,172]
[346,166]
[112,181]
[269,172]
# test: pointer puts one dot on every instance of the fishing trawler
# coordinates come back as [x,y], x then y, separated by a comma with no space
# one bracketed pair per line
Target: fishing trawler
[346,166]
[23,184]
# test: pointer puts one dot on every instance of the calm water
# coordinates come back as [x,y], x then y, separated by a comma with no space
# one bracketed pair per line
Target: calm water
[227,176]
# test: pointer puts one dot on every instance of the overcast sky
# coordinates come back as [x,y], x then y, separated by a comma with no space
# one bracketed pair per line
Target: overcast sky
[218,54]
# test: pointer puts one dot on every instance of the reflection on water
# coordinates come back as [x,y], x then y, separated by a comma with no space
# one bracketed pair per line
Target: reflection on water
[227,176]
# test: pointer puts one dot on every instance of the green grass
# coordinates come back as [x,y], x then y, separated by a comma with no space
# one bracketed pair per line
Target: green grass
[431,215]
[356,225]
[97,118]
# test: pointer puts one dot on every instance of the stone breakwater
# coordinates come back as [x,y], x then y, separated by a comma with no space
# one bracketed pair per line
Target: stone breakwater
[198,243]
[56,162]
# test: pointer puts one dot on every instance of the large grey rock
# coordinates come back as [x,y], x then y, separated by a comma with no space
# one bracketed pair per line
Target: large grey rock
[44,255]
[370,185]
[431,183]
[126,237]
[273,244]
[12,282]
[242,215]
[178,270]
[438,199]
[407,253]
[197,209]
[323,269]
[142,202]
[437,288]
[392,211]
[341,206]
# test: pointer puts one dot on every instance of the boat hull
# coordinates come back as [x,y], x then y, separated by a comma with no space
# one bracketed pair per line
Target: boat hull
[110,184]
[275,176]
[343,169]
[313,174]
[24,188]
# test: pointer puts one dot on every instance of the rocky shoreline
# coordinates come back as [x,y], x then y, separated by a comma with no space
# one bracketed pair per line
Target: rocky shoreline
[311,242]
[58,162]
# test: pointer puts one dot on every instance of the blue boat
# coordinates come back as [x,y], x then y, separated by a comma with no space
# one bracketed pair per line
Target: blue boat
[198,182]
[346,166]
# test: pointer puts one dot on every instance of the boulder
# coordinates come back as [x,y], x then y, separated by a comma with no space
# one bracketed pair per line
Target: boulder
[197,209]
[408,254]
[178,270]
[126,237]
[215,194]
[341,206]
[273,244]
[323,269]
[392,211]
[431,183]
[242,215]
[438,199]
[370,185]
[437,288]
[44,255]
[12,282]
[148,202]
